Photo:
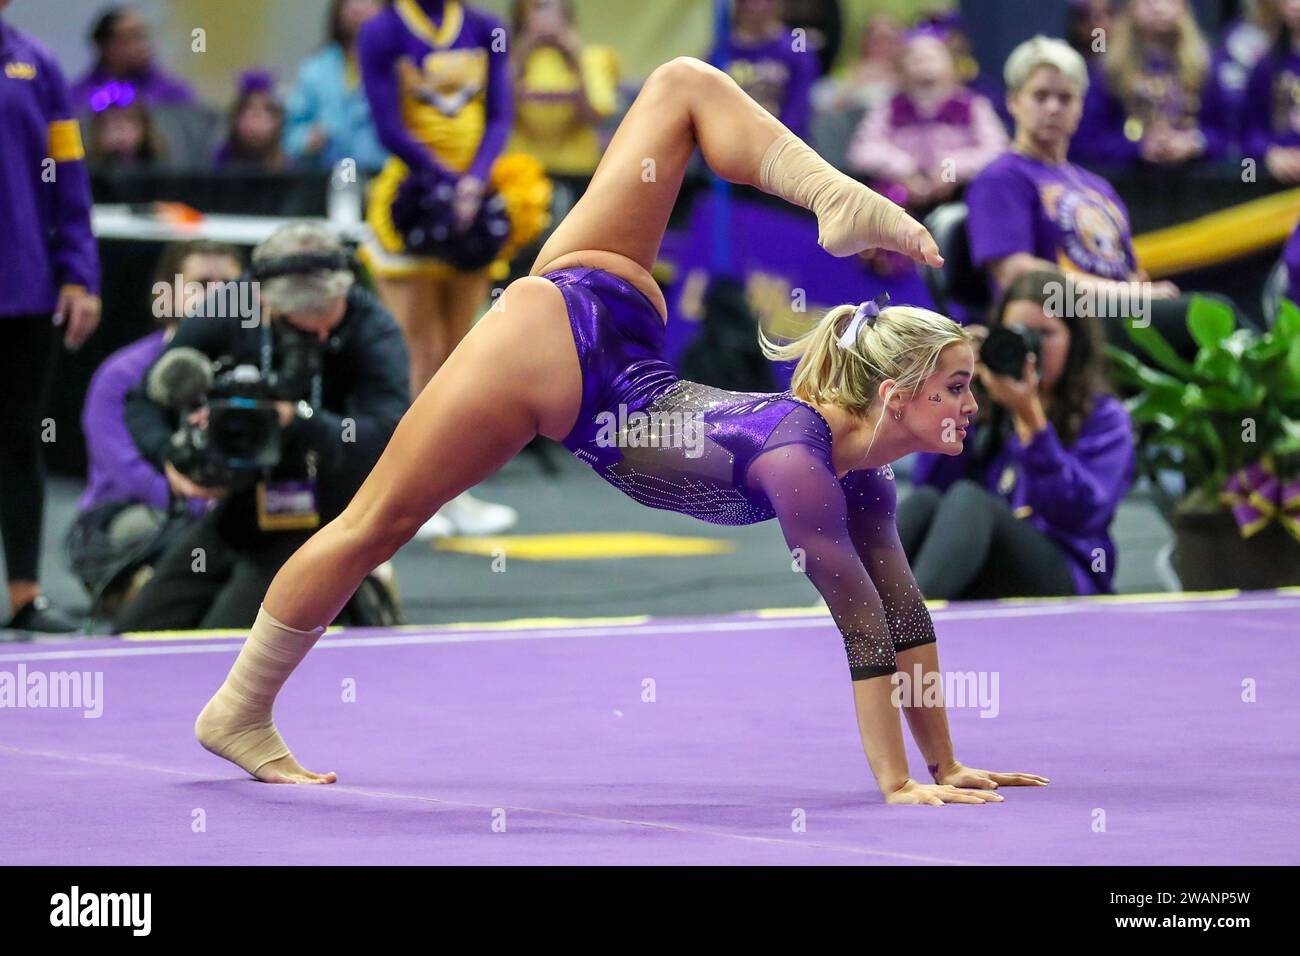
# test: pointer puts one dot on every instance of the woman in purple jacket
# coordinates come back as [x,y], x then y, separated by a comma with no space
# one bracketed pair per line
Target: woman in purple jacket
[1153,97]
[1271,120]
[1025,509]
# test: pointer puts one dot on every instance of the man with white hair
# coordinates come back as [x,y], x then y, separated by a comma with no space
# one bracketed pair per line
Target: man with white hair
[337,367]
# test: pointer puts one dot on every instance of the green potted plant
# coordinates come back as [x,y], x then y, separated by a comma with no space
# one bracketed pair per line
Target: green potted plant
[1229,423]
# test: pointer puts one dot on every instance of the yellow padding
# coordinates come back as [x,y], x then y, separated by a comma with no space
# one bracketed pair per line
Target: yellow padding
[1219,237]
[585,547]
[65,141]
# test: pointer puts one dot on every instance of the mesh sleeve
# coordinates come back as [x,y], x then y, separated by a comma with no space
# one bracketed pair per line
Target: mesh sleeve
[810,506]
[871,498]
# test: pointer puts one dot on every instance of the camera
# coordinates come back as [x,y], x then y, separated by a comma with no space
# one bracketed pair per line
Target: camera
[1007,346]
[243,432]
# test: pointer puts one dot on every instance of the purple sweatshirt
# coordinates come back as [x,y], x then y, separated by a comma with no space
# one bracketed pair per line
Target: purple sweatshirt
[152,88]
[1061,213]
[775,74]
[1072,493]
[1102,136]
[44,206]
[117,469]
[1271,112]
[436,40]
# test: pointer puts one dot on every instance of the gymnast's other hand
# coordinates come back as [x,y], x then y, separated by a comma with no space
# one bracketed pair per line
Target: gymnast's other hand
[936,795]
[956,775]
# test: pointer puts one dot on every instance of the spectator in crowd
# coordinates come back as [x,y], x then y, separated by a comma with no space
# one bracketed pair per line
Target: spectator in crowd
[763,57]
[118,472]
[1242,44]
[254,140]
[1087,24]
[823,24]
[564,89]
[1151,96]
[123,137]
[933,136]
[1026,508]
[350,401]
[124,60]
[1271,121]
[872,78]
[50,278]
[1032,209]
[128,512]
[328,116]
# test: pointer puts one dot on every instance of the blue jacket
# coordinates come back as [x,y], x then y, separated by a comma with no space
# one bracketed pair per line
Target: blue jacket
[325,96]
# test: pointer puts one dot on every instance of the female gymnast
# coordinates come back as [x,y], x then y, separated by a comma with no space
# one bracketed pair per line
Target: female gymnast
[582,336]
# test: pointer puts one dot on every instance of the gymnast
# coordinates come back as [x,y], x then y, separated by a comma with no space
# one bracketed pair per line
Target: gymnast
[583,335]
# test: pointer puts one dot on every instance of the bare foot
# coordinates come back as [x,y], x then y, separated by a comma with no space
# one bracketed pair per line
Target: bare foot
[288,770]
[248,743]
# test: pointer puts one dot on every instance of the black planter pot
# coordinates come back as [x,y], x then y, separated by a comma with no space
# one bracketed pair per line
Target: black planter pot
[1210,554]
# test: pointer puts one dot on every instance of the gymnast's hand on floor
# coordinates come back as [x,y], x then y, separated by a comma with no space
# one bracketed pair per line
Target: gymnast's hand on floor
[956,775]
[936,795]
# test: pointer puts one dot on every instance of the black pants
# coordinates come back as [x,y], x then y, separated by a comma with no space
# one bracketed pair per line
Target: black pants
[209,579]
[27,352]
[965,544]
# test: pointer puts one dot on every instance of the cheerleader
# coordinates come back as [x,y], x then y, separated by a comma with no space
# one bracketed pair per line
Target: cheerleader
[447,207]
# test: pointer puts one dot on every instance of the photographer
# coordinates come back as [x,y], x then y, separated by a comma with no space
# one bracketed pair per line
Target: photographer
[128,513]
[1025,510]
[299,407]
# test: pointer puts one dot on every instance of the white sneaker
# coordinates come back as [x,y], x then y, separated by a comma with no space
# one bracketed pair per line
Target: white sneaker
[472,517]
[438,526]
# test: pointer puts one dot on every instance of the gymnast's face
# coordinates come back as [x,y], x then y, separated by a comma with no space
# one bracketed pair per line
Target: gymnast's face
[937,415]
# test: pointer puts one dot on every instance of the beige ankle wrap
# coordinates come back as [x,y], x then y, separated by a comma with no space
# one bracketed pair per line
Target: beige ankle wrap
[850,217]
[236,723]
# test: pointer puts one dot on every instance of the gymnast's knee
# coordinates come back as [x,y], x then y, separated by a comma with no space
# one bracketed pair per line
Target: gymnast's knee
[682,76]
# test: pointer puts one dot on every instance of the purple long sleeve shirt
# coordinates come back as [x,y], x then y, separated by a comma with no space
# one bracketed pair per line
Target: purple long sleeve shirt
[426,65]
[1271,113]
[117,469]
[1069,494]
[44,189]
[775,74]
[1104,134]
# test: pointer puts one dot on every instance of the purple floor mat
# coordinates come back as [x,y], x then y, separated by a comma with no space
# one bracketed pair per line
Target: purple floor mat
[721,740]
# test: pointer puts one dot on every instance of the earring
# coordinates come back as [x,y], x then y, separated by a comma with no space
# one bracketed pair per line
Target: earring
[898,415]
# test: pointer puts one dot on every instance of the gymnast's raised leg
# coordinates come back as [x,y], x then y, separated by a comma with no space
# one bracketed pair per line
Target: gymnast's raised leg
[516,373]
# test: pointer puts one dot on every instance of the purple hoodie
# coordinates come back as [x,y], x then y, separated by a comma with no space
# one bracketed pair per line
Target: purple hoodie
[1072,493]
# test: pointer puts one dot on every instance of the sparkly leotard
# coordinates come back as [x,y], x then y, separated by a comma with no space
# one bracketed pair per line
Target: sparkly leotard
[739,458]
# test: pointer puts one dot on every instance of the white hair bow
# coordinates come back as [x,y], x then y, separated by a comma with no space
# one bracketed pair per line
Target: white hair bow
[866,312]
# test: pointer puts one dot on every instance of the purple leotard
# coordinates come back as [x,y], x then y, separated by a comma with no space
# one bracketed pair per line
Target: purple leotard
[739,458]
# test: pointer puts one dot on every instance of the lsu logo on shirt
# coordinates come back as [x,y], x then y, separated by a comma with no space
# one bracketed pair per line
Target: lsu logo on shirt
[1092,229]
[20,71]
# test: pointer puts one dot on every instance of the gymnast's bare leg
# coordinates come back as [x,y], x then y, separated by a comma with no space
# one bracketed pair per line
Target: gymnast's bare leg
[516,373]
